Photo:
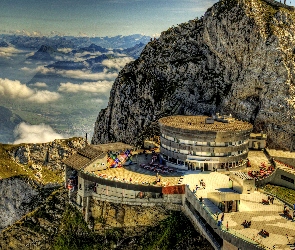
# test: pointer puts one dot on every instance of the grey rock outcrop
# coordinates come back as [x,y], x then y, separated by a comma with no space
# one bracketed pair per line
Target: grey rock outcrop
[48,154]
[238,58]
[17,198]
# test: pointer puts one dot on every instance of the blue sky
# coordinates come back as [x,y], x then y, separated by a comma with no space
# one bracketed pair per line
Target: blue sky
[97,17]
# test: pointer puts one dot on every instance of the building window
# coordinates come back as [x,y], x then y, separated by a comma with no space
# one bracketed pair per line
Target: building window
[285,178]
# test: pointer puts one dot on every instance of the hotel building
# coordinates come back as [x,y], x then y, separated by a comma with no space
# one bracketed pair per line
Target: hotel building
[201,142]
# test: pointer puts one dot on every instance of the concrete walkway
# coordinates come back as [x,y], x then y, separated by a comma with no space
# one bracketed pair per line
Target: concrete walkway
[267,217]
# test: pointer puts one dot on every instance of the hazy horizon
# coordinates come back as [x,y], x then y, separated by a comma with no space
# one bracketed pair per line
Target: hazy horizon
[97,18]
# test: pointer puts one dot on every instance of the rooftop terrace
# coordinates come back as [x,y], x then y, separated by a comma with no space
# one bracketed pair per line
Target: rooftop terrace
[199,123]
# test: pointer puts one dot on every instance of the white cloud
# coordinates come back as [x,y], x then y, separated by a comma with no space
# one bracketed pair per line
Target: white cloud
[8,51]
[78,74]
[30,54]
[26,133]
[117,63]
[84,53]
[92,87]
[28,33]
[39,84]
[156,35]
[33,70]
[16,90]
[65,50]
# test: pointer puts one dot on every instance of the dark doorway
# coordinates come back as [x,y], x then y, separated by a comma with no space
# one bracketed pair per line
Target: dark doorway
[205,166]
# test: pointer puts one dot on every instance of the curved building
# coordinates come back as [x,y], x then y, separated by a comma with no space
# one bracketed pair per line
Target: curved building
[201,142]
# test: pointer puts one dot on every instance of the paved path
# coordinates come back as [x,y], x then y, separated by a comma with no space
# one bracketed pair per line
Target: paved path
[268,217]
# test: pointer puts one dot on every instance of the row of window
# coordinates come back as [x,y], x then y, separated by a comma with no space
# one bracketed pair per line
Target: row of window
[199,143]
[187,152]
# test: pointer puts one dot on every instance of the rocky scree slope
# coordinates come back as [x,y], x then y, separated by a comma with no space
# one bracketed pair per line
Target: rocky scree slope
[46,156]
[237,59]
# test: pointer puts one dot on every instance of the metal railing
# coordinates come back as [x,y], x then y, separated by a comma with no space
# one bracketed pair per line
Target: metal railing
[225,230]
[118,184]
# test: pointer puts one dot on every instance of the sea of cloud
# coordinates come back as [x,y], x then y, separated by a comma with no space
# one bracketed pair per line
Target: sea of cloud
[26,133]
[8,51]
[14,89]
[91,87]
[117,63]
[90,82]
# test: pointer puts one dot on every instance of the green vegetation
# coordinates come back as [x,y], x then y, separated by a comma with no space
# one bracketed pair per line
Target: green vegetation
[74,233]
[172,233]
[284,193]
[51,176]
[9,168]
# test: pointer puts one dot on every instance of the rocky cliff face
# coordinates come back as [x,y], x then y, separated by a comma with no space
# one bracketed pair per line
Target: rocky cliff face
[18,197]
[46,155]
[238,58]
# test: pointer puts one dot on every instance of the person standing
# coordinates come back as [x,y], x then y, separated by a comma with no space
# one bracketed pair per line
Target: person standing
[222,217]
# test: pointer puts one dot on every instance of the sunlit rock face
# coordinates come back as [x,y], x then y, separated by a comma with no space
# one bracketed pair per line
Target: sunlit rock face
[237,59]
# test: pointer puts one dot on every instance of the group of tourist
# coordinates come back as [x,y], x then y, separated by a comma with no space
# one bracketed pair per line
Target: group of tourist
[157,168]
[262,173]
[246,224]
[202,185]
[269,200]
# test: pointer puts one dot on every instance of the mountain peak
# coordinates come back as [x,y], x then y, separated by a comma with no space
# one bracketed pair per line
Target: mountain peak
[237,59]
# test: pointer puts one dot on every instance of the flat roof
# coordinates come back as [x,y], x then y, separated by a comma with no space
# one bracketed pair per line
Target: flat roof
[86,155]
[199,123]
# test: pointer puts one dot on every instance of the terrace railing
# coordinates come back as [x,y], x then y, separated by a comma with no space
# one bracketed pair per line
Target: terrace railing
[119,184]
[223,231]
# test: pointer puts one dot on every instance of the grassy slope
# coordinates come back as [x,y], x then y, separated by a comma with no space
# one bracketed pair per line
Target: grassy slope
[9,168]
[284,193]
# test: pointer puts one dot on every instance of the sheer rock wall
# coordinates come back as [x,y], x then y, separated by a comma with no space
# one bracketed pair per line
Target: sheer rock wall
[238,58]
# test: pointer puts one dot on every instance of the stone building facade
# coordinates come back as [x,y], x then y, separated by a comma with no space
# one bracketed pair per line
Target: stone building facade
[201,142]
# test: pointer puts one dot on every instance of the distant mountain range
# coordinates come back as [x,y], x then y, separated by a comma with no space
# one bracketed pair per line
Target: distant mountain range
[115,42]
[133,51]
[48,53]
[66,58]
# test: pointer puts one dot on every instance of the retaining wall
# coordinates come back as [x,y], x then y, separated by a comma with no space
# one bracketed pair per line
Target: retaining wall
[196,211]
